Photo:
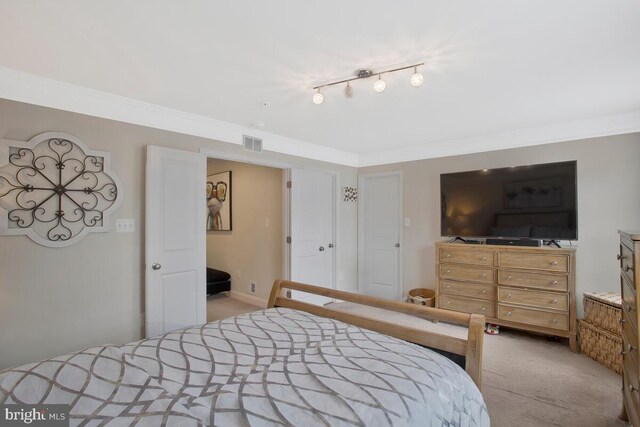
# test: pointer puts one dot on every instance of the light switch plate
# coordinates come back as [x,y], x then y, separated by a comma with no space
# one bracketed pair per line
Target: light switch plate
[125,226]
[407,222]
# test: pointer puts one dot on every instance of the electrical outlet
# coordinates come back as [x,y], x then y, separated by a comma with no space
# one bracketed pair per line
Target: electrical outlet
[407,222]
[267,222]
[252,287]
[239,274]
[125,226]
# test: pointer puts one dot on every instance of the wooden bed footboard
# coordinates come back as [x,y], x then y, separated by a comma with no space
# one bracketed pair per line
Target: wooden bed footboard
[470,349]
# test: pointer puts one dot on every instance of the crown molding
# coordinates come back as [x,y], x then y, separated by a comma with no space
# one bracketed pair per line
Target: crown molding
[31,89]
[548,134]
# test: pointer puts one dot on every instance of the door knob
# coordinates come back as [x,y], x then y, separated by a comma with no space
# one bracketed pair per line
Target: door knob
[397,245]
[156,266]
[321,249]
[330,245]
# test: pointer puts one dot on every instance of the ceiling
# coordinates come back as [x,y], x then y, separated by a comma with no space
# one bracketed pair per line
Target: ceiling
[492,68]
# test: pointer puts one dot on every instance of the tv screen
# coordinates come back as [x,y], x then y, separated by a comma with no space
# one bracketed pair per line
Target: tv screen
[532,202]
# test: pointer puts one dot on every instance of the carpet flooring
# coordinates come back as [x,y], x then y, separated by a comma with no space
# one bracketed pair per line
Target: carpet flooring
[528,380]
[220,306]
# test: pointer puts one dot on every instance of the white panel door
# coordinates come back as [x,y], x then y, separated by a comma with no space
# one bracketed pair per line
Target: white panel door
[380,235]
[175,292]
[312,231]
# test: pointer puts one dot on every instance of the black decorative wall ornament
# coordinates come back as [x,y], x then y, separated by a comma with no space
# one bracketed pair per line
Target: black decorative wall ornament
[54,189]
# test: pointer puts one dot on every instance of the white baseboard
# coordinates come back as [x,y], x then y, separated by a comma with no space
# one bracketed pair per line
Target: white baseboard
[249,299]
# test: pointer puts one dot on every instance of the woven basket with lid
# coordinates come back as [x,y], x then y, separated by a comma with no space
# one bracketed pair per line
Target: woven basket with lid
[603,309]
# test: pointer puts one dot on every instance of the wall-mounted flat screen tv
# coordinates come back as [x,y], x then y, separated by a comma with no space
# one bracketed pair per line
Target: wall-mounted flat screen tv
[527,202]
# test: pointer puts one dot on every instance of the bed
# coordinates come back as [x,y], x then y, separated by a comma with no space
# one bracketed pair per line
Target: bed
[291,364]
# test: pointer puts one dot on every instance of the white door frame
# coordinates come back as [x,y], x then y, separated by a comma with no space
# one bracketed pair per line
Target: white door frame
[361,223]
[286,200]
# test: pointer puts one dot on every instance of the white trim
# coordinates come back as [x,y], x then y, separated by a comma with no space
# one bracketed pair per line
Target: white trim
[361,201]
[249,299]
[243,158]
[548,134]
[31,89]
[23,87]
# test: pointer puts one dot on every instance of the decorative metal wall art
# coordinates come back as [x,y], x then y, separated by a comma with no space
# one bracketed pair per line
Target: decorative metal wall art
[350,194]
[54,189]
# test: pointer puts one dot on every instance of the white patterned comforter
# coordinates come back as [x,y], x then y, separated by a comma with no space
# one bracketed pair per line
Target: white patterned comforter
[271,367]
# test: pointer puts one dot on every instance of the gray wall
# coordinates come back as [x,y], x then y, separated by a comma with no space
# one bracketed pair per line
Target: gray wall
[53,301]
[608,200]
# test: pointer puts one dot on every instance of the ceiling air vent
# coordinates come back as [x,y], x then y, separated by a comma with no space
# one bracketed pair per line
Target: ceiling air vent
[251,143]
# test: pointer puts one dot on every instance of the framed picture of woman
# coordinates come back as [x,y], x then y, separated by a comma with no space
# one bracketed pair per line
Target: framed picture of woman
[219,202]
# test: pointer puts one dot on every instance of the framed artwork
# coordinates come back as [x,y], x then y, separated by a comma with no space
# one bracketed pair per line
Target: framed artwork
[533,193]
[219,202]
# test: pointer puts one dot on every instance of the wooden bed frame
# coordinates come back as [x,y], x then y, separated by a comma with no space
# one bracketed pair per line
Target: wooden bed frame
[470,349]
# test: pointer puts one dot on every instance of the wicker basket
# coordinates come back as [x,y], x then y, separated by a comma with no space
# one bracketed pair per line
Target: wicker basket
[422,296]
[600,345]
[603,309]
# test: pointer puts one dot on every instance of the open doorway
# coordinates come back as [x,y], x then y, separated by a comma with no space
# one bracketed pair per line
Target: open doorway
[302,249]
[245,235]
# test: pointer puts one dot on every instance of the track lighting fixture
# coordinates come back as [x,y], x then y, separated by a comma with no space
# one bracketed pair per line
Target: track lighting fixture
[379,85]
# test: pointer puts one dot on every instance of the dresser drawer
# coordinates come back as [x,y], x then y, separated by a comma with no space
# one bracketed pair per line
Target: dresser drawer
[630,395]
[540,299]
[527,316]
[466,305]
[461,272]
[473,290]
[533,280]
[466,256]
[630,343]
[531,261]
[627,264]
[629,303]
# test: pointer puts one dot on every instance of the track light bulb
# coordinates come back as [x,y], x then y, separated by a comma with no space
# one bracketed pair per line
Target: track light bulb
[416,78]
[379,85]
[348,91]
[318,98]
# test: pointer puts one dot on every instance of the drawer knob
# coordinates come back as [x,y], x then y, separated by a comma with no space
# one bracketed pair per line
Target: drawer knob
[509,277]
[632,388]
[448,271]
[630,347]
[555,282]
[484,291]
[627,268]
[554,262]
[555,301]
[484,308]
[509,295]
[508,313]
[448,302]
[448,286]
[619,257]
[448,255]
[621,320]
[483,275]
[555,320]
[629,308]
[484,258]
[622,352]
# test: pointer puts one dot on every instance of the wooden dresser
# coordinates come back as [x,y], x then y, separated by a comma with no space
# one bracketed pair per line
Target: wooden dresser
[529,288]
[629,258]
